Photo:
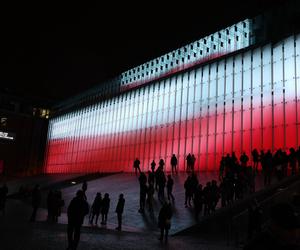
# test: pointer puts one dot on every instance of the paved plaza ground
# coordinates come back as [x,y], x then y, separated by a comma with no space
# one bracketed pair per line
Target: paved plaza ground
[139,231]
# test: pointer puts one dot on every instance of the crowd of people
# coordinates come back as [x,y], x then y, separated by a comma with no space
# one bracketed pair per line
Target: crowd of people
[236,179]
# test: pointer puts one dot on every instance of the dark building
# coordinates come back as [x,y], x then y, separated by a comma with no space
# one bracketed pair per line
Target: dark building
[23,133]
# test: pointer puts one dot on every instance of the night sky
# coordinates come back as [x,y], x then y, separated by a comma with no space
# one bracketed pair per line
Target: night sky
[57,50]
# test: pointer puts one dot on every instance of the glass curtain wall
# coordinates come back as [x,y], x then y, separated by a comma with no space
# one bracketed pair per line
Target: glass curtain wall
[246,101]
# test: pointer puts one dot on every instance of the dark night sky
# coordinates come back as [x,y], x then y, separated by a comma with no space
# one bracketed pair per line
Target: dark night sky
[56,51]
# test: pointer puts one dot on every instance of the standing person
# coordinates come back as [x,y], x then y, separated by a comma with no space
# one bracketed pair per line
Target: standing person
[77,209]
[136,166]
[170,184]
[36,201]
[161,164]
[164,220]
[174,163]
[188,163]
[58,204]
[143,193]
[161,185]
[119,211]
[105,208]
[153,164]
[96,207]
[244,160]
[84,189]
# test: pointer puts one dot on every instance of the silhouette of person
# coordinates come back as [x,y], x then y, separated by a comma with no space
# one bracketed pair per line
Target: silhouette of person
[119,211]
[153,164]
[96,208]
[136,166]
[174,163]
[161,164]
[170,184]
[105,208]
[84,189]
[77,209]
[188,162]
[36,201]
[164,220]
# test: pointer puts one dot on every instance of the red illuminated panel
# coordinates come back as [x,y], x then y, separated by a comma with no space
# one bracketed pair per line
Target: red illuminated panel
[278,137]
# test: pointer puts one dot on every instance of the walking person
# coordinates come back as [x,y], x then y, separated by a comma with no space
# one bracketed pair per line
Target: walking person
[119,211]
[136,166]
[96,207]
[77,209]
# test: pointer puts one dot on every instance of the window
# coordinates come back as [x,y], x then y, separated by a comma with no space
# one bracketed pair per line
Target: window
[201,52]
[235,28]
[212,38]
[245,34]
[168,57]
[156,69]
[162,59]
[215,46]
[237,38]
[229,41]
[207,49]
[189,57]
[177,61]
[151,71]
[142,66]
[171,64]
[204,41]
[161,68]
[185,49]
[219,34]
[227,32]
[192,46]
[173,54]
[244,24]
[198,44]
[222,44]
[195,55]
[182,59]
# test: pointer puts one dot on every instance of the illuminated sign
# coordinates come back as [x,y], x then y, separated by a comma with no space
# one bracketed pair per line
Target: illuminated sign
[7,136]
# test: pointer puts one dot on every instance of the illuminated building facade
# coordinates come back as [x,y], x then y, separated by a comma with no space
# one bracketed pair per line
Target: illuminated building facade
[230,91]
